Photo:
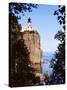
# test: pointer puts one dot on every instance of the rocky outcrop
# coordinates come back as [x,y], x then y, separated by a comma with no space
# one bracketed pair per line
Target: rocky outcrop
[32,41]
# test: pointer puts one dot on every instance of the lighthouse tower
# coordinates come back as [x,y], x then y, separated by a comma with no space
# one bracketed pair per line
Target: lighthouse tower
[28,27]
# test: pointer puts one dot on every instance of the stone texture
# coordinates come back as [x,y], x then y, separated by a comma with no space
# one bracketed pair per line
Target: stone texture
[32,41]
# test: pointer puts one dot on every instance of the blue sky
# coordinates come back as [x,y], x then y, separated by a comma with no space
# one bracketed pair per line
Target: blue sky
[45,23]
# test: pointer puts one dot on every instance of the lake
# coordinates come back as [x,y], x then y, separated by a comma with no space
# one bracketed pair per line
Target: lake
[47,56]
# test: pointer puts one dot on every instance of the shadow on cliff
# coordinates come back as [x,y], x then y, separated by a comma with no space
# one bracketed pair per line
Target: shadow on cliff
[21,70]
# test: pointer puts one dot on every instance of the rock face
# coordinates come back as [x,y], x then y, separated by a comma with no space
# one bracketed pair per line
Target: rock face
[32,41]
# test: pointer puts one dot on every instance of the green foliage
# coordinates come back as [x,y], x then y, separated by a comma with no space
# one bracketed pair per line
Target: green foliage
[17,8]
[24,72]
[61,15]
[58,62]
[21,70]
[59,66]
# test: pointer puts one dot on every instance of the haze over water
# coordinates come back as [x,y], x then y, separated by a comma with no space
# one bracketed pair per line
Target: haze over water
[47,56]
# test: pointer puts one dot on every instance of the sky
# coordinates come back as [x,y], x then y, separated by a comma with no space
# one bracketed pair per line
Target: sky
[45,23]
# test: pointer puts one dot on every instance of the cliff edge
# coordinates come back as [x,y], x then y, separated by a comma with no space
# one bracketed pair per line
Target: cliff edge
[32,41]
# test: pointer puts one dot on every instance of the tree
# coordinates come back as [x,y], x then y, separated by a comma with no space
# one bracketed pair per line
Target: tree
[17,8]
[21,70]
[58,62]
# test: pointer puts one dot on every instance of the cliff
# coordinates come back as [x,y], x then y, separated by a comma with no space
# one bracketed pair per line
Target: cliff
[32,41]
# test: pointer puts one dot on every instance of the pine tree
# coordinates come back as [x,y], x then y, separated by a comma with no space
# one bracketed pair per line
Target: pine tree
[58,76]
[21,70]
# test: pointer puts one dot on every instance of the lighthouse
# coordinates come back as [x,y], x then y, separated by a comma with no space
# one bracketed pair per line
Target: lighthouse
[28,27]
[31,39]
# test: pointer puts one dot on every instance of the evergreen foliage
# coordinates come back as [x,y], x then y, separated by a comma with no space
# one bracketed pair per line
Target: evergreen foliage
[58,62]
[21,69]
